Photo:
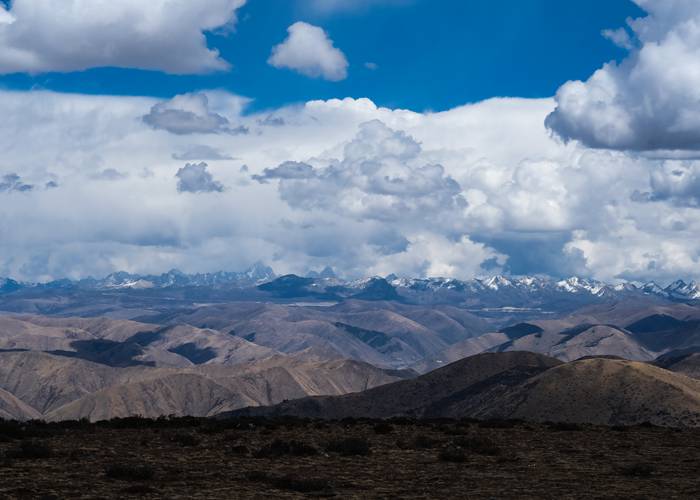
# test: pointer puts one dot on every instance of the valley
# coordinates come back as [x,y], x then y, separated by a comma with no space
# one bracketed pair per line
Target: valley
[252,343]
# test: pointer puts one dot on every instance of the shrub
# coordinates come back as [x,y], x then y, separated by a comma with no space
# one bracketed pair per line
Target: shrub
[499,424]
[478,444]
[454,455]
[30,450]
[239,450]
[290,483]
[139,489]
[130,472]
[185,439]
[423,442]
[349,446]
[279,448]
[383,428]
[638,470]
[565,426]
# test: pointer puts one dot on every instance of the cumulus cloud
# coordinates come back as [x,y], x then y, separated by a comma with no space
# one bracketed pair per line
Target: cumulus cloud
[651,100]
[674,181]
[428,254]
[40,36]
[13,182]
[380,177]
[309,51]
[190,114]
[195,178]
[344,183]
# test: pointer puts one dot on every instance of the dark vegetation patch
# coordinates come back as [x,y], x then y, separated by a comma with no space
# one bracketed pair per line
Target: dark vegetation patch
[352,446]
[139,490]
[383,428]
[138,457]
[500,424]
[480,445]
[291,483]
[565,426]
[419,442]
[30,450]
[130,472]
[185,439]
[639,470]
[280,448]
[454,455]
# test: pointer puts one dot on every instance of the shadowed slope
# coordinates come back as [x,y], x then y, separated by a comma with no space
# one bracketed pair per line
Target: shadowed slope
[416,396]
[604,391]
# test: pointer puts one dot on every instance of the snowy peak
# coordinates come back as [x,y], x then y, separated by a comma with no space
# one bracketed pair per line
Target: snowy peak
[258,273]
[682,290]
[497,283]
[579,285]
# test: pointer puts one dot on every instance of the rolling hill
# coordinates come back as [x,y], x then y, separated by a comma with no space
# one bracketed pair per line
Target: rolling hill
[519,385]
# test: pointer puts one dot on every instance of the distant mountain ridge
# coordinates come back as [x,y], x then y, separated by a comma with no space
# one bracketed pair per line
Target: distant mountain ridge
[325,285]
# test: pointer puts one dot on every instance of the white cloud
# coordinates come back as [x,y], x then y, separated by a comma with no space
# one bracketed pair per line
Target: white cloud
[619,37]
[359,187]
[310,51]
[332,6]
[381,177]
[43,35]
[191,114]
[195,178]
[651,100]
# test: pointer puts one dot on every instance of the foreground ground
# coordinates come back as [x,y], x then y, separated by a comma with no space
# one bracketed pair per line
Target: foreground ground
[246,458]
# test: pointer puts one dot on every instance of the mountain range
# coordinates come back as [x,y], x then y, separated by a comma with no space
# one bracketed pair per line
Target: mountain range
[326,284]
[217,343]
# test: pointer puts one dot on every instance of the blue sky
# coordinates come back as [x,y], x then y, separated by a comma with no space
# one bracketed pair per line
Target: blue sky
[499,136]
[428,58]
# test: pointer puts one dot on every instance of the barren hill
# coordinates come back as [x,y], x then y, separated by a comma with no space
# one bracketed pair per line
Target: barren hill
[420,396]
[604,391]
[523,386]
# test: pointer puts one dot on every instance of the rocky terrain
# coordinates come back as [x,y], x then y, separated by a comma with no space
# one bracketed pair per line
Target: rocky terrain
[203,345]
[191,458]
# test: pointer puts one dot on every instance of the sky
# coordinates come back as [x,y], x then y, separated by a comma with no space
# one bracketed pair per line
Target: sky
[415,137]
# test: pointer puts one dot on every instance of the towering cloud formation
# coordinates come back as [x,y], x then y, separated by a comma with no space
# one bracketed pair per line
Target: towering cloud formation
[381,176]
[190,114]
[309,51]
[68,35]
[651,100]
[195,178]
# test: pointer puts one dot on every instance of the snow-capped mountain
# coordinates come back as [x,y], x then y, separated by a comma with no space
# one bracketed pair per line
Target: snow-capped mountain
[255,275]
[495,291]
[683,291]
